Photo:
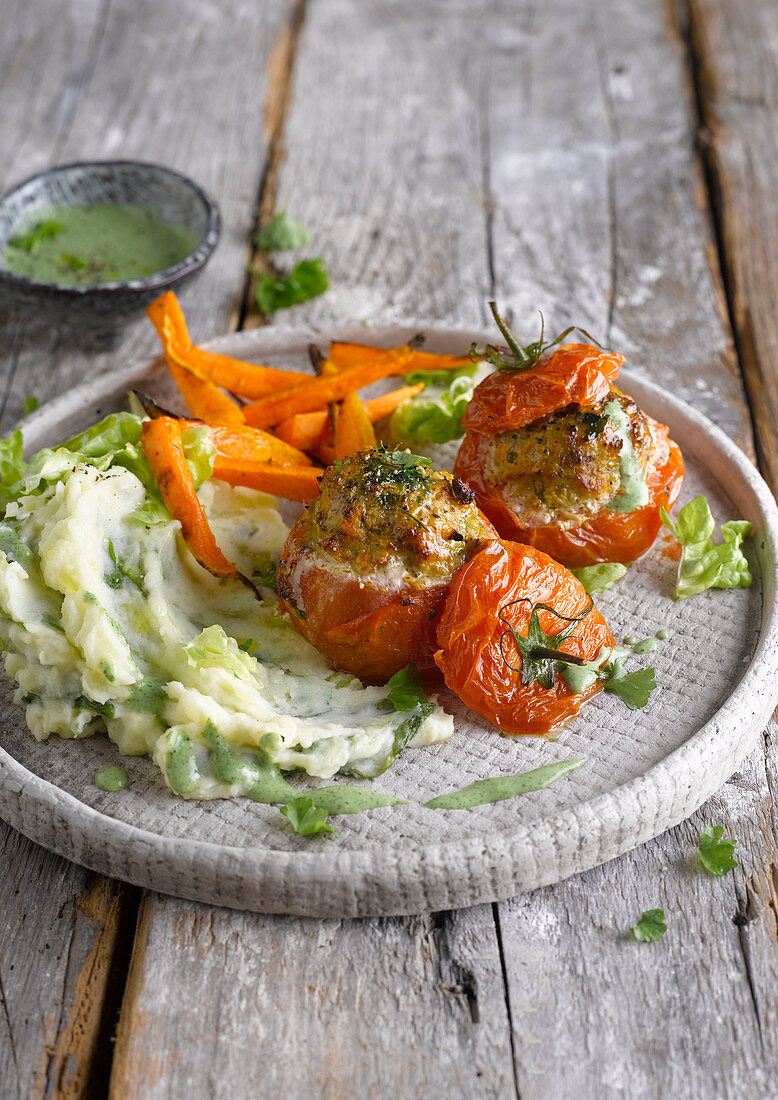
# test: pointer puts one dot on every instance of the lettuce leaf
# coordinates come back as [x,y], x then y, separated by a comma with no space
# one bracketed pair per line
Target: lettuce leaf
[114,441]
[212,648]
[12,466]
[599,578]
[704,564]
[200,451]
[435,415]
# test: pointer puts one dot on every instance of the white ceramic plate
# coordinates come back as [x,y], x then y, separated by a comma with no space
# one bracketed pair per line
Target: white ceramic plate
[645,770]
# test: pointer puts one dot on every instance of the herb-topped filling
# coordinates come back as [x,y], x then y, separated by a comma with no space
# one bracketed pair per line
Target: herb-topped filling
[575,461]
[388,509]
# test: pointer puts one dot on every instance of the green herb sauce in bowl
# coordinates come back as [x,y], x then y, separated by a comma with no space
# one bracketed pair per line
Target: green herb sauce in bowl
[103,243]
[86,247]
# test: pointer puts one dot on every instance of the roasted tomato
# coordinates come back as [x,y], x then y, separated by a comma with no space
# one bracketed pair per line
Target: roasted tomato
[366,569]
[491,603]
[560,459]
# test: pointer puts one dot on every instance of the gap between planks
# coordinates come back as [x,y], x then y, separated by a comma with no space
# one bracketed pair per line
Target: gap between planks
[280,80]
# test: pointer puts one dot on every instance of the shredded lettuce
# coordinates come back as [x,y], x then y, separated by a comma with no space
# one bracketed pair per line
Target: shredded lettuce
[703,564]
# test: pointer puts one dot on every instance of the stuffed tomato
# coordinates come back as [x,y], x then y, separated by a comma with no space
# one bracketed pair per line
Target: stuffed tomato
[366,569]
[559,458]
[513,622]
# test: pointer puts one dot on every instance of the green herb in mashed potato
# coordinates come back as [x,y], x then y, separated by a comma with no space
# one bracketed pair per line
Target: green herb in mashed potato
[111,625]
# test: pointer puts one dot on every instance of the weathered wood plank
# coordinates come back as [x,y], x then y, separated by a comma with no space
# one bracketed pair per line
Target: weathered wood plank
[734,46]
[383,160]
[381,1008]
[83,80]
[734,50]
[598,203]
[596,193]
[59,934]
[224,1003]
[608,1016]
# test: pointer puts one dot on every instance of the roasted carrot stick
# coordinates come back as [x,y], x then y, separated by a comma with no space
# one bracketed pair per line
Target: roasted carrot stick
[254,444]
[292,482]
[316,393]
[347,356]
[164,449]
[379,407]
[305,429]
[243,442]
[353,430]
[204,400]
[247,379]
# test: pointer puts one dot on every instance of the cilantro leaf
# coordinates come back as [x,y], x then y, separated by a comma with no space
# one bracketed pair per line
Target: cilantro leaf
[704,564]
[406,690]
[403,460]
[306,280]
[633,688]
[34,237]
[599,578]
[651,926]
[716,850]
[306,818]
[281,233]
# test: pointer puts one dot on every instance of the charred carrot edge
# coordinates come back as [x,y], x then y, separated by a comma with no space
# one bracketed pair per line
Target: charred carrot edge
[304,430]
[244,442]
[164,449]
[353,430]
[291,482]
[247,379]
[317,393]
[347,356]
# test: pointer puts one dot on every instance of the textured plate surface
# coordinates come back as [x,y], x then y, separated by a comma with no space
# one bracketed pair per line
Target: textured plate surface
[645,770]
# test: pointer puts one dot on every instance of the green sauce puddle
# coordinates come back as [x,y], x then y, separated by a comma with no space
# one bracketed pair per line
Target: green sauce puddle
[111,779]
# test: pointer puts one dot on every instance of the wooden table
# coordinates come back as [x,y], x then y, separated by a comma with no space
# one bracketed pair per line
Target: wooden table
[612,163]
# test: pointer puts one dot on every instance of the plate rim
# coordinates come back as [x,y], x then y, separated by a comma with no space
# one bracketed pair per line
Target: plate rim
[447,874]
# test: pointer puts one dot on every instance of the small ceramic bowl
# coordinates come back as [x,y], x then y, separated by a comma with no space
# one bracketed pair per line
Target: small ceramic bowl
[100,311]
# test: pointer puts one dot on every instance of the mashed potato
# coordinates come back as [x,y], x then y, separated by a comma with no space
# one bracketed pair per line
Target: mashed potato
[110,624]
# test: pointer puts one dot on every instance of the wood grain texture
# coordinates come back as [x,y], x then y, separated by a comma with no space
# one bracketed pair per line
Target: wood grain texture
[737,64]
[459,150]
[82,80]
[57,940]
[641,207]
[275,1002]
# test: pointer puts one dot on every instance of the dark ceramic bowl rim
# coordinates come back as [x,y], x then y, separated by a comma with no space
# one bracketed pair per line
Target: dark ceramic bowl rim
[159,279]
